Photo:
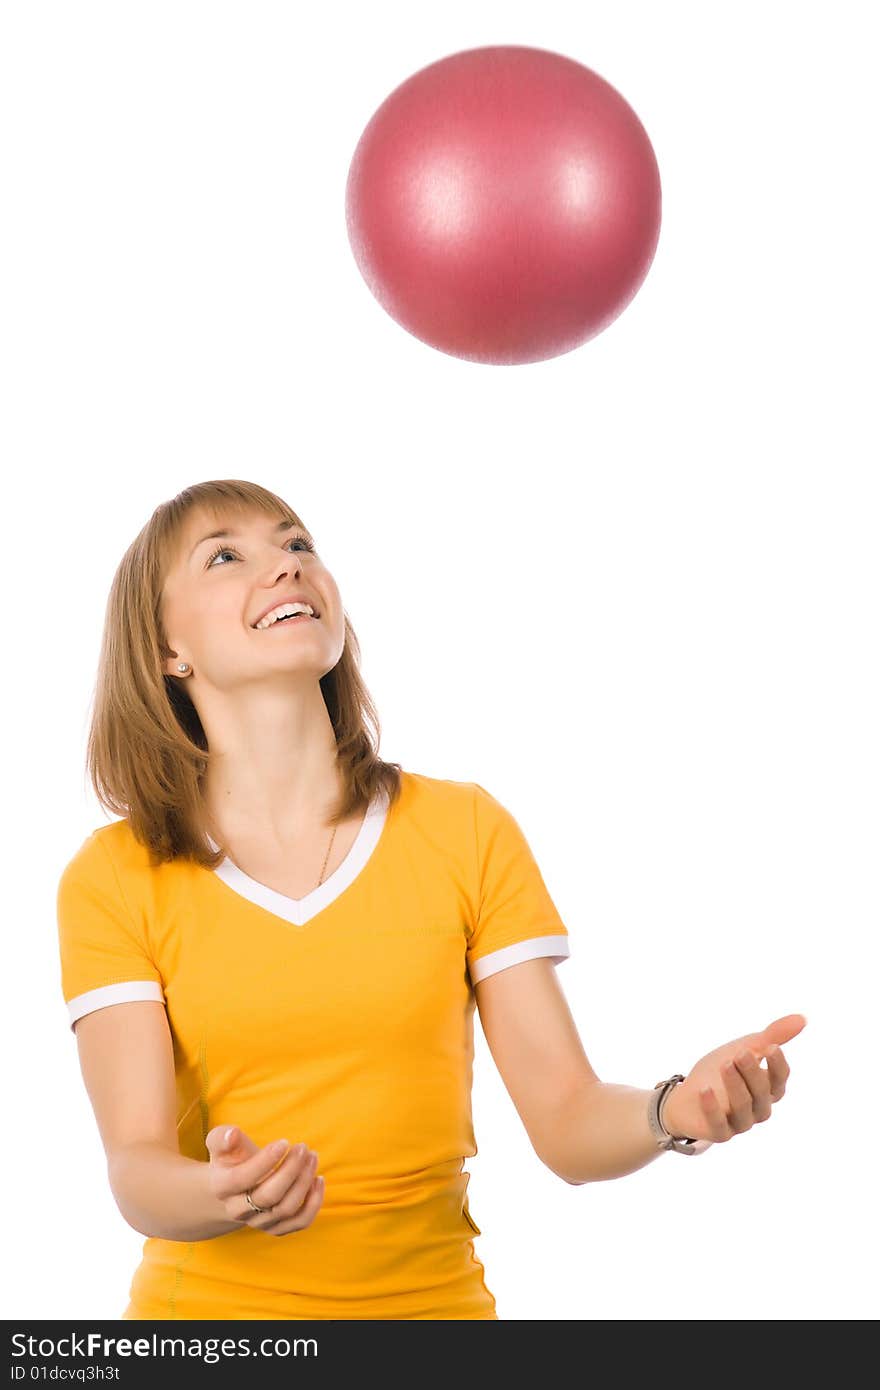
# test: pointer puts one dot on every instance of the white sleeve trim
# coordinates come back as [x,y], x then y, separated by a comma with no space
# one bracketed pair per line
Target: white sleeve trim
[127,991]
[555,946]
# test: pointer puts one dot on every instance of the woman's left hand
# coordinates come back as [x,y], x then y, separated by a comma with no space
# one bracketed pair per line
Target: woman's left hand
[728,1090]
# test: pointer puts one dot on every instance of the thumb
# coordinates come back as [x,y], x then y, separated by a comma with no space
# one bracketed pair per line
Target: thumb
[782,1029]
[227,1143]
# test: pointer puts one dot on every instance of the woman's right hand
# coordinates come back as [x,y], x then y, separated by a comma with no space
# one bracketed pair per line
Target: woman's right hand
[287,1184]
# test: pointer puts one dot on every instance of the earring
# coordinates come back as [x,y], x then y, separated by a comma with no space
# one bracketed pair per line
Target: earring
[183,666]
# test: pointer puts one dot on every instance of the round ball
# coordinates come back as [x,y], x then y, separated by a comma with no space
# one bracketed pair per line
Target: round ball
[503,204]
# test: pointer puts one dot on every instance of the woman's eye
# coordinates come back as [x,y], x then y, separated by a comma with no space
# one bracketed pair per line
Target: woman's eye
[216,555]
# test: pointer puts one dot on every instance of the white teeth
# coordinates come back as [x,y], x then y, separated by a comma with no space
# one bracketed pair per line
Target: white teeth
[282,611]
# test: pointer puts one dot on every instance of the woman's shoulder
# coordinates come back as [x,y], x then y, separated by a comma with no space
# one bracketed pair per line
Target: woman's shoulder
[111,848]
[442,792]
[454,793]
[443,803]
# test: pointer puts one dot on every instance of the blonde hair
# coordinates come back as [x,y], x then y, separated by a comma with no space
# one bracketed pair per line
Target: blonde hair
[146,748]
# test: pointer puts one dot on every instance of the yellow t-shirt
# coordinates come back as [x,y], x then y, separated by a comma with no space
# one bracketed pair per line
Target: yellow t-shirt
[343,1019]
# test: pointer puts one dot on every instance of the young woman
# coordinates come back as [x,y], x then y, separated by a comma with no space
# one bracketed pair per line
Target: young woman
[272,961]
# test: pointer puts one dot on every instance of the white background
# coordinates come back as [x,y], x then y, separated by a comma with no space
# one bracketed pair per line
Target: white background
[631,590]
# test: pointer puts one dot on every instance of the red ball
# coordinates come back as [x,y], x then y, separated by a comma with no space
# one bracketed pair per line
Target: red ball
[503,204]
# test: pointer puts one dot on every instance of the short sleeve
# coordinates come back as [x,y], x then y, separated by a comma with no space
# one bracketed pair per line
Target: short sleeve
[516,919]
[104,956]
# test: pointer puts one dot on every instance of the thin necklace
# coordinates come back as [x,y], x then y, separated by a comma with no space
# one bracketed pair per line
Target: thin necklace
[326,857]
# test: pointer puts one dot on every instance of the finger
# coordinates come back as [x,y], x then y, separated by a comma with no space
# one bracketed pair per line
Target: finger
[778,1071]
[291,1200]
[295,1176]
[758,1082]
[715,1116]
[274,1188]
[224,1140]
[739,1098]
[782,1030]
[242,1177]
[306,1214]
[281,1194]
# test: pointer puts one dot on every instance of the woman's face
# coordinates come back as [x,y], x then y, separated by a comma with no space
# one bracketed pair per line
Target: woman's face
[221,585]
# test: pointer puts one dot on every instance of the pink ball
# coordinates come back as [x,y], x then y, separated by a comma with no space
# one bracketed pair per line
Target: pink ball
[503,204]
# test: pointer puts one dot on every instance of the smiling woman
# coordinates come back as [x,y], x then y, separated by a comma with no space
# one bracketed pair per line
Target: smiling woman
[285,938]
[148,752]
[258,982]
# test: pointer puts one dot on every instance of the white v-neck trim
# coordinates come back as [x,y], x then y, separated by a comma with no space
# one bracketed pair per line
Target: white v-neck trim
[302,910]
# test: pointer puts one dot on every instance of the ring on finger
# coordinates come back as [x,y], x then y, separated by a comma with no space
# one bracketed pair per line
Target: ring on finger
[253,1205]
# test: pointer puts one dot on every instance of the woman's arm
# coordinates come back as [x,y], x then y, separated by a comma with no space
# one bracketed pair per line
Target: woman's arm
[584,1129]
[163,1194]
[127,1062]
[587,1130]
[597,1133]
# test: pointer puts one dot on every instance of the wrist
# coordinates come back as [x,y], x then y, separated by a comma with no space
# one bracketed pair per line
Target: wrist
[663,1112]
[215,1212]
[666,1119]
[670,1117]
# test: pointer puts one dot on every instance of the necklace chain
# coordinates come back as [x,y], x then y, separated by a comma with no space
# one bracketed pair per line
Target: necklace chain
[326,857]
